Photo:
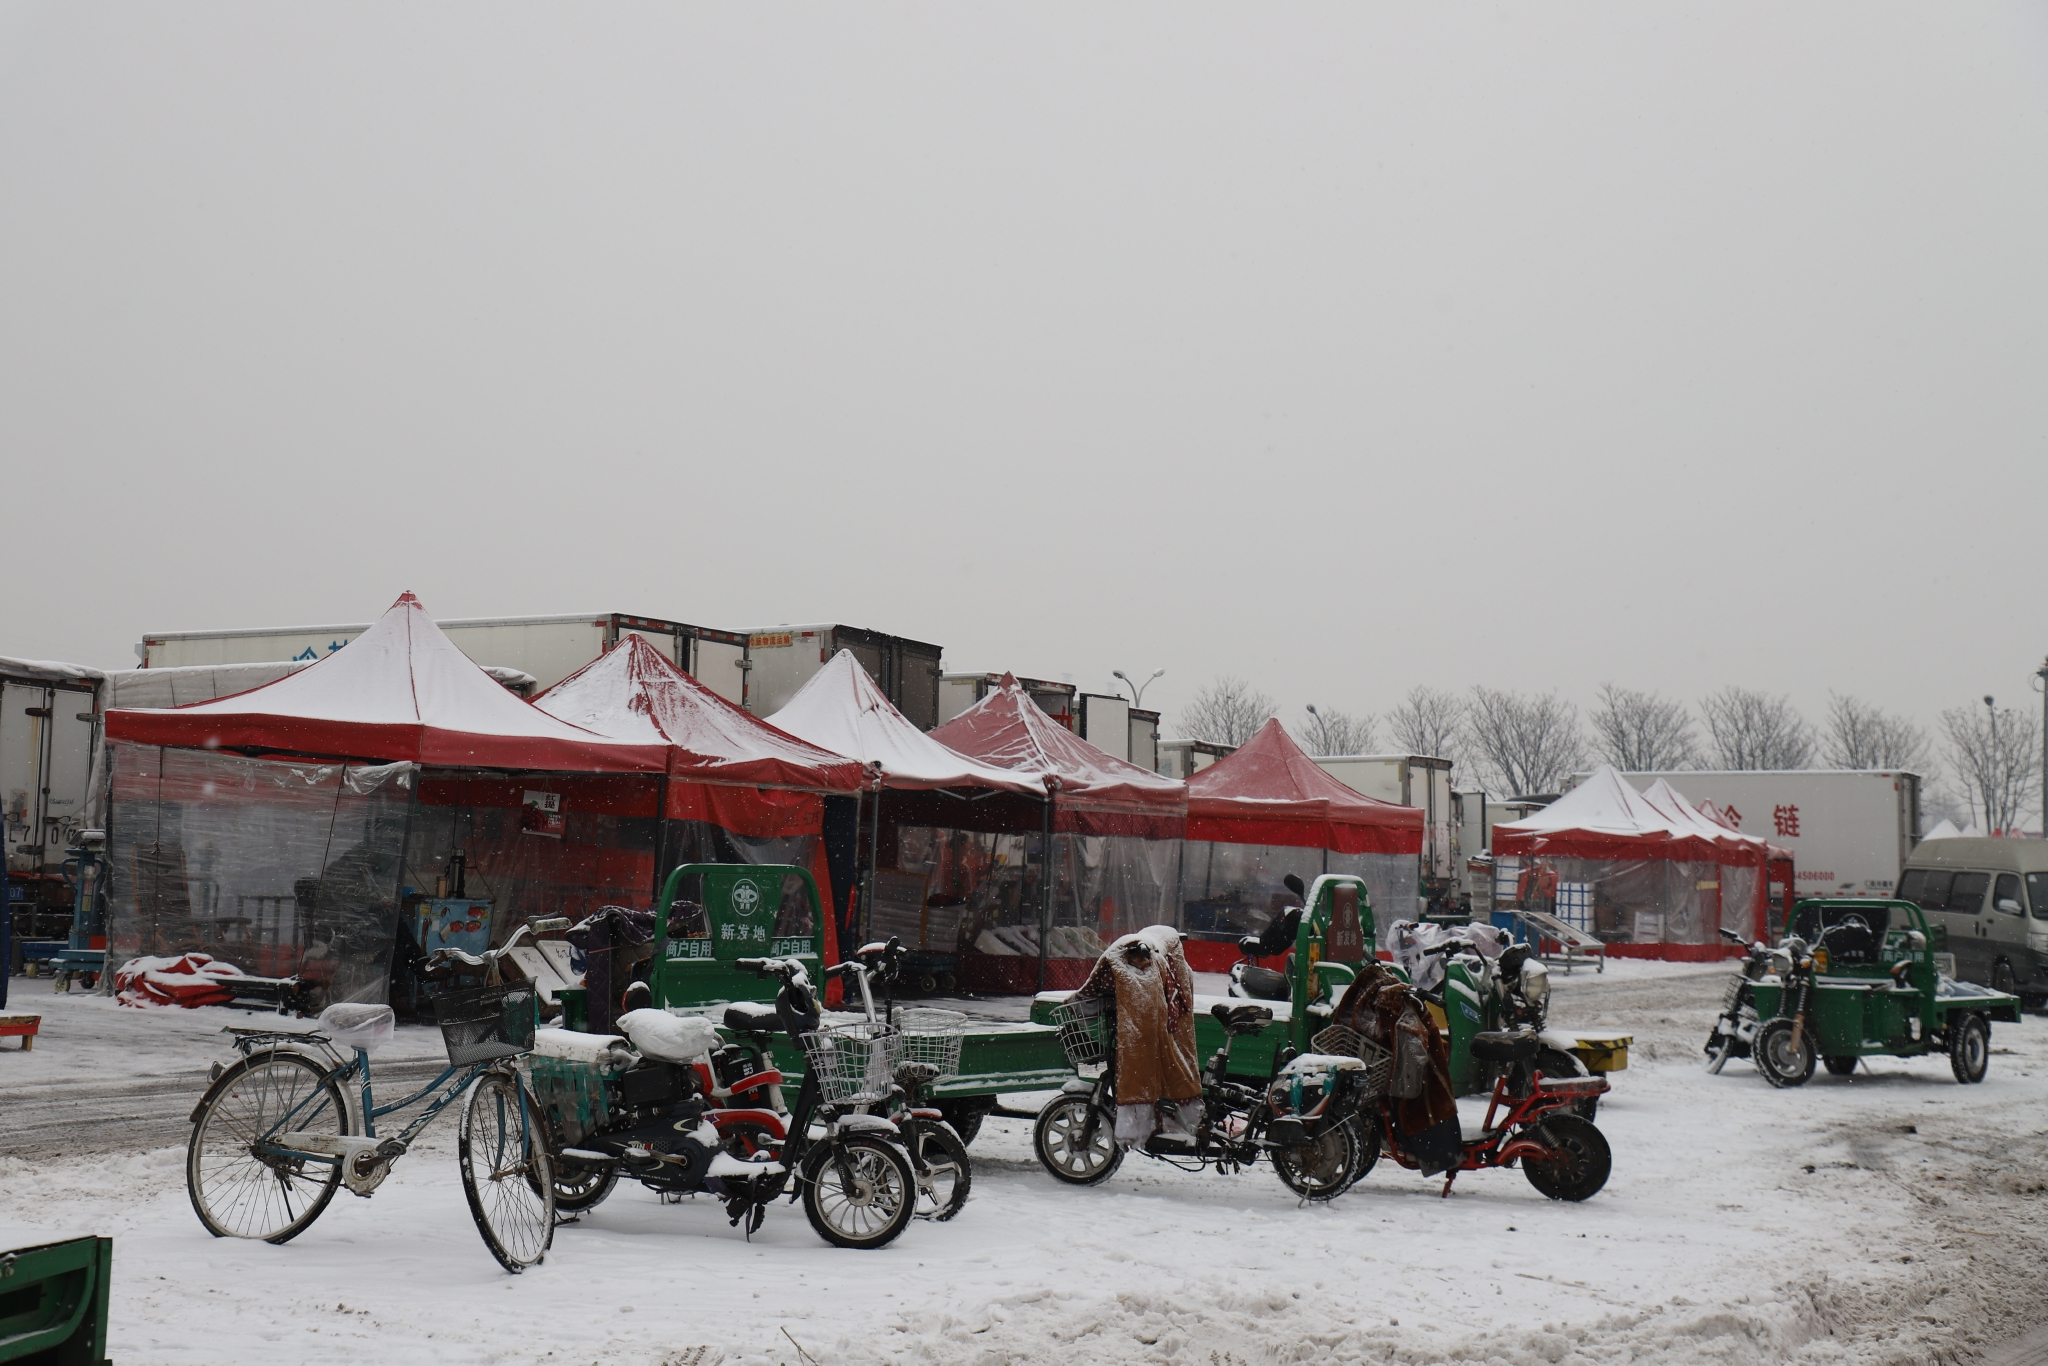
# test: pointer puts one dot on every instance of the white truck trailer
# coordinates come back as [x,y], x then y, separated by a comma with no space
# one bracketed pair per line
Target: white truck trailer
[49,715]
[550,648]
[1849,830]
[1410,780]
[781,659]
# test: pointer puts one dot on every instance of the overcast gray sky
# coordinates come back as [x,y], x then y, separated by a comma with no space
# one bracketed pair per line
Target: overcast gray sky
[1343,347]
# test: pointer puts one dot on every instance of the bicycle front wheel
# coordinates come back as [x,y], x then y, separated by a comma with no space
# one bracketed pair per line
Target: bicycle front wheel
[860,1194]
[240,1186]
[506,1172]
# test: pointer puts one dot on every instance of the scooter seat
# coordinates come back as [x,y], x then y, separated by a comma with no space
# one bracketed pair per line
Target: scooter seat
[752,1017]
[1500,1046]
[1237,1020]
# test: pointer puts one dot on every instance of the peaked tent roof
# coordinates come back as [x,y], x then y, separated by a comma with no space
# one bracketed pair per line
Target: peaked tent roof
[1096,793]
[1669,801]
[633,693]
[1270,792]
[1604,818]
[842,710]
[399,691]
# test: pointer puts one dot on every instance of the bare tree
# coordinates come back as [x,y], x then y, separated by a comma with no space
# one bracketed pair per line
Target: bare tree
[1996,752]
[1640,732]
[1329,731]
[1429,721]
[1860,735]
[1226,712]
[1754,730]
[1525,745]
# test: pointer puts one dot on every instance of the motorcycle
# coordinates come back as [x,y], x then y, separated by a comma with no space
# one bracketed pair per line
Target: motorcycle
[1529,1119]
[1735,1030]
[1303,1119]
[684,1113]
[1785,1048]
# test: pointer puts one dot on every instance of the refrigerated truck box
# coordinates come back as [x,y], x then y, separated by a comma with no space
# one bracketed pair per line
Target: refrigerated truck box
[1849,830]
[48,720]
[782,659]
[1408,780]
[958,692]
[549,647]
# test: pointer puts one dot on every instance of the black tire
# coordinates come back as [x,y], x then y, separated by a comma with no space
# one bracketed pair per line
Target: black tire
[1840,1067]
[581,1186]
[948,1172]
[1781,1063]
[948,984]
[506,1172]
[965,1116]
[2002,978]
[1969,1049]
[238,1194]
[1370,1143]
[1555,1062]
[1583,1163]
[1324,1167]
[875,1207]
[1057,1139]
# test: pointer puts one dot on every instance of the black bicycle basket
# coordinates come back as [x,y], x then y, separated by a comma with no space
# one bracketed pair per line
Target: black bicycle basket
[483,1024]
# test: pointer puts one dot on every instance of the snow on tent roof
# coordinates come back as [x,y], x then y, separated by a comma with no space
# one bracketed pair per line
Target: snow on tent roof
[1011,731]
[1270,792]
[634,693]
[1672,804]
[841,709]
[399,691]
[1604,818]
[1944,830]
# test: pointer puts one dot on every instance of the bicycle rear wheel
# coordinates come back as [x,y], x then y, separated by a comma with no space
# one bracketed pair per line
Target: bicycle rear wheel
[506,1172]
[239,1191]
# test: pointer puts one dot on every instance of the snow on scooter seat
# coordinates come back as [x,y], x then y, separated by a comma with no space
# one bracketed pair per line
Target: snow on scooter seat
[671,1038]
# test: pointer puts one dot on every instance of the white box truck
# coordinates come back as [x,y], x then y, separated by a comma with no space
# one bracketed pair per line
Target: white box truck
[1409,780]
[550,647]
[49,716]
[1849,830]
[781,659]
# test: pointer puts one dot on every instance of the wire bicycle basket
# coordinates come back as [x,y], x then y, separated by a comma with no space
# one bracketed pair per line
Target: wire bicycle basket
[1349,1043]
[1085,1025]
[853,1062]
[931,1035]
[484,1024]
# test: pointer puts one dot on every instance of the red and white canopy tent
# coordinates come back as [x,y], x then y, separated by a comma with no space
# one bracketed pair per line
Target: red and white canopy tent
[1646,872]
[734,788]
[276,828]
[951,805]
[1112,831]
[1268,810]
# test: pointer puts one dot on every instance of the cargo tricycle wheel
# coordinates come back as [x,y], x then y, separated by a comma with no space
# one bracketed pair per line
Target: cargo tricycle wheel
[1780,1062]
[1969,1049]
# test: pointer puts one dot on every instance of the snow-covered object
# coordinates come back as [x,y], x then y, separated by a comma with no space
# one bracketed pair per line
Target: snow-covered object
[842,710]
[48,670]
[671,1038]
[400,691]
[633,694]
[183,684]
[1270,792]
[1605,818]
[353,1024]
[1409,941]
[189,980]
[1094,793]
[605,1051]
[1944,829]
[1154,990]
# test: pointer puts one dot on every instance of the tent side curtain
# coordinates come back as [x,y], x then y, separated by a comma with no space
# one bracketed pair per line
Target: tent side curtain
[1642,902]
[1082,816]
[1307,832]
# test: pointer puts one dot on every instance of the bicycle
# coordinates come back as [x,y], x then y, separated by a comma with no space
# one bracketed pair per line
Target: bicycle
[931,1040]
[279,1131]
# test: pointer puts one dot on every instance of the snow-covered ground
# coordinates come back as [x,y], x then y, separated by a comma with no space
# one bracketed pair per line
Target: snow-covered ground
[1886,1217]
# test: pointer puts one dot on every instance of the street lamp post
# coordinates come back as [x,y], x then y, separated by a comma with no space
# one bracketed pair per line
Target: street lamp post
[1990,822]
[1137,689]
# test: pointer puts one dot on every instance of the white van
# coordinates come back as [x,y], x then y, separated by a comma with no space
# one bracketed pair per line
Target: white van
[1991,895]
